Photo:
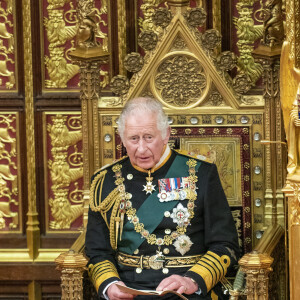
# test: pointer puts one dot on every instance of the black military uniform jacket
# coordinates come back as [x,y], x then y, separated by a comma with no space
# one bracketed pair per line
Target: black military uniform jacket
[210,232]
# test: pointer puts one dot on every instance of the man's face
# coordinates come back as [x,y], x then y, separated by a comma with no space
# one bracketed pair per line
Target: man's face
[143,141]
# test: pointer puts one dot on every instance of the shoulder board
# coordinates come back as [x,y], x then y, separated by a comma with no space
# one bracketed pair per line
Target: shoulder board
[193,155]
[110,165]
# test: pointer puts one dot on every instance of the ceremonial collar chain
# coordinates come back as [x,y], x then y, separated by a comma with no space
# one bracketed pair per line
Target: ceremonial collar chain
[125,206]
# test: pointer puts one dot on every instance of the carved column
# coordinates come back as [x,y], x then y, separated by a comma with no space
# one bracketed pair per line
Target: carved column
[89,54]
[90,61]
[275,149]
[292,193]
[72,266]
[257,267]
[268,52]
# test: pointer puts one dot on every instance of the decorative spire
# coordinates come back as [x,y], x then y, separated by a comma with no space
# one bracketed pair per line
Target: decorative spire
[178,6]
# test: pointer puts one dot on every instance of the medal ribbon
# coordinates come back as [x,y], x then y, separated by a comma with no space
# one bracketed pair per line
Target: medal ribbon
[152,211]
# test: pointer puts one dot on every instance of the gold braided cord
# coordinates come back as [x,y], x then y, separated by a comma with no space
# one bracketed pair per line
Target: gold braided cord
[112,227]
[98,180]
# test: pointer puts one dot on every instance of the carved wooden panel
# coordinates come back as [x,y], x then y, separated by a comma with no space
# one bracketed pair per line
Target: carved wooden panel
[63,171]
[10,175]
[8,42]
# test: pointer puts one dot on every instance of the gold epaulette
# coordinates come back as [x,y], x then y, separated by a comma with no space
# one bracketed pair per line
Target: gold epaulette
[193,155]
[110,165]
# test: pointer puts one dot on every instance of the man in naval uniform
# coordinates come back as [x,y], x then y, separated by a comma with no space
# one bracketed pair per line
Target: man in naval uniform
[158,219]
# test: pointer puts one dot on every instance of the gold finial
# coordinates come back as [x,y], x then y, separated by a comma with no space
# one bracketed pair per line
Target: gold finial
[178,6]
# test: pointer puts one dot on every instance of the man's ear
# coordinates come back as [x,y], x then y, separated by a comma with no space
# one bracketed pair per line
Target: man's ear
[166,139]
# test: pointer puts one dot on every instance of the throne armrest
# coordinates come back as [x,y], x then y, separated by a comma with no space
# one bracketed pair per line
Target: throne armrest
[72,264]
[256,266]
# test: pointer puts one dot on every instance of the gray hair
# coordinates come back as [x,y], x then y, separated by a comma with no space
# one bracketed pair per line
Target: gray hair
[144,105]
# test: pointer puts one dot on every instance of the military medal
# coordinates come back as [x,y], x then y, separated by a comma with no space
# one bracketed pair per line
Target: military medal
[180,215]
[173,189]
[169,189]
[183,244]
[149,187]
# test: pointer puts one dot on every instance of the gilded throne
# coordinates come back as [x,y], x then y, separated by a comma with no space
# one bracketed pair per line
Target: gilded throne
[211,117]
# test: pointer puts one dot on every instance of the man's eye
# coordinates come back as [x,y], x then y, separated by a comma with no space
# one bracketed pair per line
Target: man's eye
[148,138]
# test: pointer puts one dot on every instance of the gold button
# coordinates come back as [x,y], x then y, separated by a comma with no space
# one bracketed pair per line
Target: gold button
[166,251]
[165,270]
[167,214]
[129,176]
[136,251]
[167,231]
[138,270]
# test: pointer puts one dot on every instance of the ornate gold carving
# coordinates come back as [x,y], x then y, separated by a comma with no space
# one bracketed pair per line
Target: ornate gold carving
[180,80]
[273,23]
[162,17]
[242,83]
[226,61]
[224,152]
[59,71]
[65,169]
[148,9]
[72,265]
[8,178]
[196,16]
[121,34]
[58,34]
[211,39]
[294,204]
[179,44]
[119,85]
[257,267]
[133,62]
[7,41]
[148,40]
[90,19]
[215,99]
[247,33]
[32,223]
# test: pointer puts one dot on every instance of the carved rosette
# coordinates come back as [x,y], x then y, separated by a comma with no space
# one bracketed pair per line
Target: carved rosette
[7,45]
[119,85]
[147,40]
[133,62]
[242,83]
[180,80]
[226,61]
[211,39]
[179,44]
[196,17]
[215,99]
[162,17]
[65,171]
[10,205]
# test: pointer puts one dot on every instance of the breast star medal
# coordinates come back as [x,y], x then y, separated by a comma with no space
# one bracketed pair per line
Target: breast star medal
[149,187]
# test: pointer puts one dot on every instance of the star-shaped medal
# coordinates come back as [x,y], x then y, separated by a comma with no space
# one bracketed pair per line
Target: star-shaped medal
[149,187]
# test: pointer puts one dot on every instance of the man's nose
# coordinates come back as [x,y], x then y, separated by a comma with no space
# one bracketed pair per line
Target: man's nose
[142,147]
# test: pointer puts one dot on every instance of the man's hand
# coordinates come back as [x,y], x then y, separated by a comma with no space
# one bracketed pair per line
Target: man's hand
[179,284]
[113,292]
